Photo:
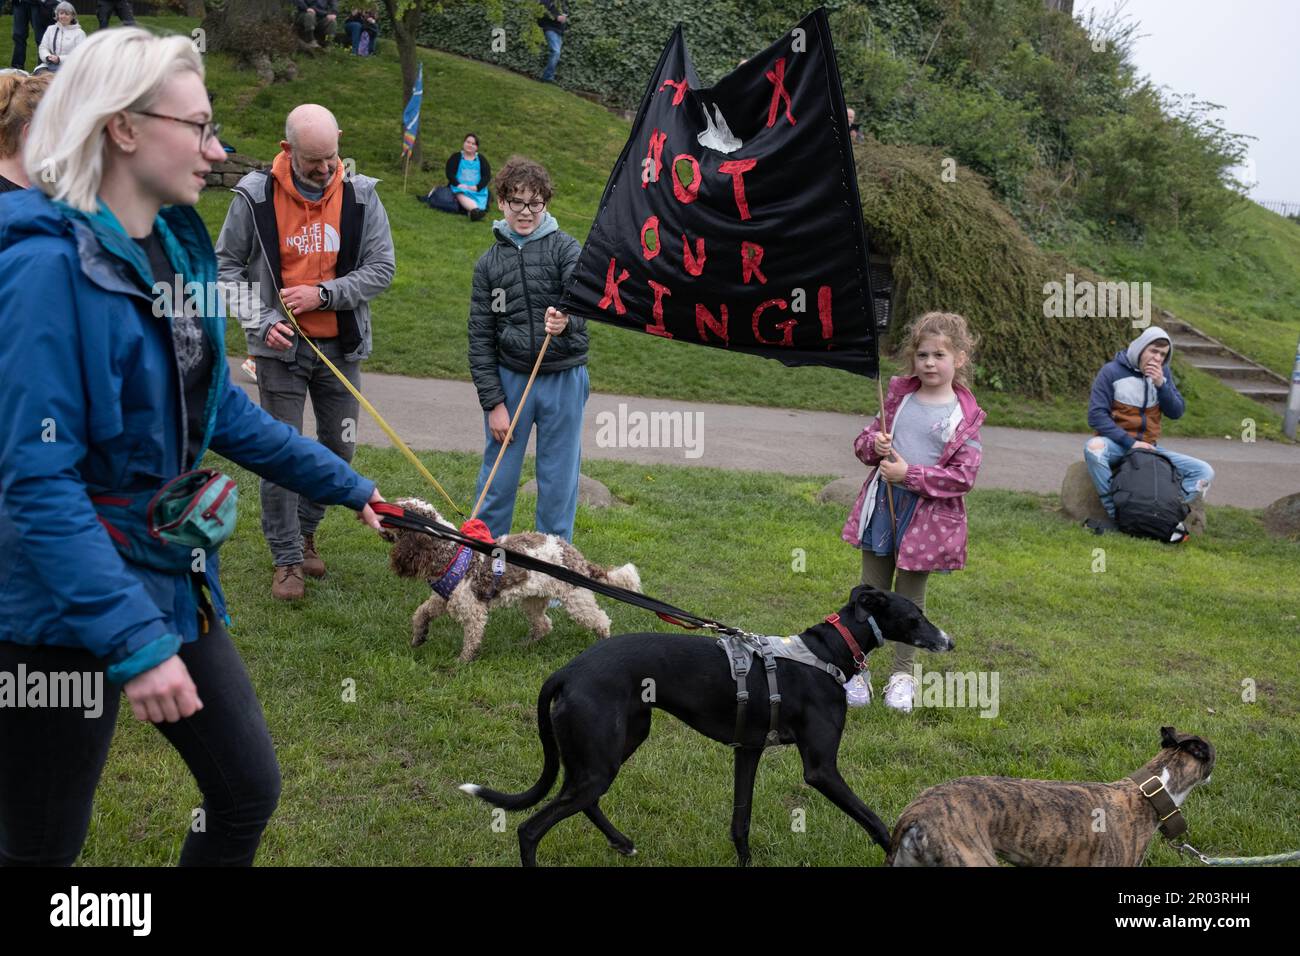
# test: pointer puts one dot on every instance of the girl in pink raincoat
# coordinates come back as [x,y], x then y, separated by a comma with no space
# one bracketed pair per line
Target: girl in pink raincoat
[928,461]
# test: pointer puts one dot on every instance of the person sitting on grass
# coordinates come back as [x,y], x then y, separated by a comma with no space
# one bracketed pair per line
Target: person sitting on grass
[61,38]
[318,21]
[363,32]
[1131,396]
[468,173]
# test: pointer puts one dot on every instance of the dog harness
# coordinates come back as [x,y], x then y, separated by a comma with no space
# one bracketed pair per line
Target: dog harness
[452,574]
[741,648]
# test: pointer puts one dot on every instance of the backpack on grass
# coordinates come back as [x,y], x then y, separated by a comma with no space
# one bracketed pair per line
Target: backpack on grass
[1148,497]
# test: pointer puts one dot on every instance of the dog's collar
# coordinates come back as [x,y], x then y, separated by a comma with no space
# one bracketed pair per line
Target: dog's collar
[859,658]
[1172,821]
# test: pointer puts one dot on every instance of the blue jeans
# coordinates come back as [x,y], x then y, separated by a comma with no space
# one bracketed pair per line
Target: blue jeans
[1099,452]
[555,406]
[555,41]
[354,33]
[51,759]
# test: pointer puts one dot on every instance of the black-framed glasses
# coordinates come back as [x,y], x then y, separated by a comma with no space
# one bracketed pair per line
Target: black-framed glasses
[207,131]
[518,205]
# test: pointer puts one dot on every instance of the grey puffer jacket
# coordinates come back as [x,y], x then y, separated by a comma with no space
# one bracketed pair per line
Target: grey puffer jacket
[507,311]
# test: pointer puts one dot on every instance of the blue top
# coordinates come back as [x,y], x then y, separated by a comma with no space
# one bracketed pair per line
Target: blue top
[92,402]
[468,175]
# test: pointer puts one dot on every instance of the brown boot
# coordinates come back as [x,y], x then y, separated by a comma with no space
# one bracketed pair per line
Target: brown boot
[311,560]
[288,584]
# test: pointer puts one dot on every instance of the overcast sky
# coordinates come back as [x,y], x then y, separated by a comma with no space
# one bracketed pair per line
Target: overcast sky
[1242,54]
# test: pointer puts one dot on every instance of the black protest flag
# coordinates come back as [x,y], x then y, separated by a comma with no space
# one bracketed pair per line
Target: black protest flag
[732,218]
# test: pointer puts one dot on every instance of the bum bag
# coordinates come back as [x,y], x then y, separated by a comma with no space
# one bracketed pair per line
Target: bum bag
[167,530]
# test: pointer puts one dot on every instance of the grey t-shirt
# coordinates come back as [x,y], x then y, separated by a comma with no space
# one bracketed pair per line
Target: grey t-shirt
[918,433]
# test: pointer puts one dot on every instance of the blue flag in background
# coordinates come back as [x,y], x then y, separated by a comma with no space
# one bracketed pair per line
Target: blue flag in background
[411,117]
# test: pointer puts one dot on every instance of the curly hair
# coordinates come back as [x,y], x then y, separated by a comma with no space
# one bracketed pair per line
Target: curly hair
[948,325]
[18,98]
[523,174]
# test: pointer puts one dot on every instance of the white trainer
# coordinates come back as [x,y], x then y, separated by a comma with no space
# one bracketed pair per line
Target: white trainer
[858,689]
[899,692]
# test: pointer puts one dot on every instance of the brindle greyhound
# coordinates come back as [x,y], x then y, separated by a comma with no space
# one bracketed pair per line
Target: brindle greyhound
[977,821]
[592,714]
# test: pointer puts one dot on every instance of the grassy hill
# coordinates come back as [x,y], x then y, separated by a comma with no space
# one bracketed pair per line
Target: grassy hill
[421,320]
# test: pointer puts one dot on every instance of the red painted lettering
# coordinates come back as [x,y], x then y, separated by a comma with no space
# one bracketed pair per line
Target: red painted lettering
[650,238]
[611,291]
[736,169]
[680,87]
[693,264]
[704,320]
[824,311]
[786,327]
[751,256]
[658,327]
[655,151]
[686,192]
[777,78]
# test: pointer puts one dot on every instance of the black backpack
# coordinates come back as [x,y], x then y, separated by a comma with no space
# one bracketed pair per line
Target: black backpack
[1148,497]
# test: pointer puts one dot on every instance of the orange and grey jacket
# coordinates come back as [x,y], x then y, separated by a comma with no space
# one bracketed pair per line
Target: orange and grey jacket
[1125,405]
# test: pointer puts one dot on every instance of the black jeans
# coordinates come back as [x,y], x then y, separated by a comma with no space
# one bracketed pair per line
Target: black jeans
[51,759]
[28,14]
[105,9]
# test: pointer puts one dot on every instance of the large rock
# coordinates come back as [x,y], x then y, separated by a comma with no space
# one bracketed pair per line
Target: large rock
[590,492]
[1079,495]
[1282,517]
[842,491]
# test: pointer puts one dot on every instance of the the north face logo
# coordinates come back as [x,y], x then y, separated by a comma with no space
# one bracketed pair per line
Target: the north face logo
[313,237]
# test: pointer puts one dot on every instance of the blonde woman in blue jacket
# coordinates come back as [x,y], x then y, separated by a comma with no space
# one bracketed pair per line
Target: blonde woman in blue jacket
[110,389]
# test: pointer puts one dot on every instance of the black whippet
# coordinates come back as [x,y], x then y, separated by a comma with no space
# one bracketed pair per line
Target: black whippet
[594,712]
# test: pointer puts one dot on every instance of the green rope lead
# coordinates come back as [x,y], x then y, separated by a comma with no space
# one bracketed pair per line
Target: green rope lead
[1238,860]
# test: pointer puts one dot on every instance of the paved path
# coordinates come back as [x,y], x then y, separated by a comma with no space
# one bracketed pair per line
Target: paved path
[442,415]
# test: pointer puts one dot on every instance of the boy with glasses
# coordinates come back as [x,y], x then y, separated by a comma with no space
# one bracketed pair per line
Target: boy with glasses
[516,283]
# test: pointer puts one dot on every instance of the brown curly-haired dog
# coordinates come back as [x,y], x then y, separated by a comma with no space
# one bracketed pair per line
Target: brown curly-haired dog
[423,556]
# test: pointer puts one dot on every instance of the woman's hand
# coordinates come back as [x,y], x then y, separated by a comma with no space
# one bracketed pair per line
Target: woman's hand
[367,515]
[499,422]
[163,693]
[894,469]
[555,321]
[884,444]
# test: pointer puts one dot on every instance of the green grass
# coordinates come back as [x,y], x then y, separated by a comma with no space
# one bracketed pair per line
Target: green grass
[420,323]
[1243,289]
[1091,665]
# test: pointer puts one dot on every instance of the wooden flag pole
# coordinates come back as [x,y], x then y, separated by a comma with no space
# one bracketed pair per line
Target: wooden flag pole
[511,430]
[889,492]
[407,172]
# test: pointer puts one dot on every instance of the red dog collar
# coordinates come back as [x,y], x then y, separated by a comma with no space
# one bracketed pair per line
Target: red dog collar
[859,658]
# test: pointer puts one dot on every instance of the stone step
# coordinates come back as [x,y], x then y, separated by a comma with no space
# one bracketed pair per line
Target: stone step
[1260,391]
[1229,368]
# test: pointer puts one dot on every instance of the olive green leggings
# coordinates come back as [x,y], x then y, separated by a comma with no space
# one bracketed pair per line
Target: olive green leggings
[878,572]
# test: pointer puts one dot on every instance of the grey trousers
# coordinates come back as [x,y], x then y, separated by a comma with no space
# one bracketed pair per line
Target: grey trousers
[283,389]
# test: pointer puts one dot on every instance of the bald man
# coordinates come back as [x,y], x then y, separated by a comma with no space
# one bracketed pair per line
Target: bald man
[316,241]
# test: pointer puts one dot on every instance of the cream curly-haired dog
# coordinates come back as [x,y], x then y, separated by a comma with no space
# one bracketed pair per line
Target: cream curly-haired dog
[469,601]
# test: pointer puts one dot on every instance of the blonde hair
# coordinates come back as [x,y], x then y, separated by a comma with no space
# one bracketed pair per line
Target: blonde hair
[948,325]
[18,98]
[115,70]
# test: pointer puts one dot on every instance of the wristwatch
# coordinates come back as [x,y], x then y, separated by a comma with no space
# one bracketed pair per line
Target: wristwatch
[324,296]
